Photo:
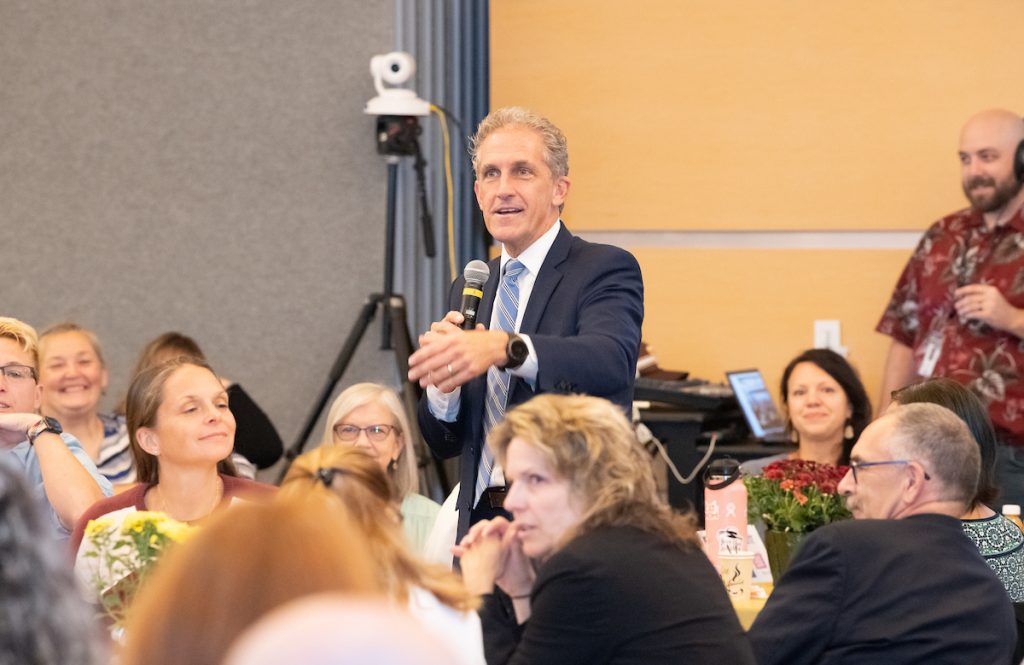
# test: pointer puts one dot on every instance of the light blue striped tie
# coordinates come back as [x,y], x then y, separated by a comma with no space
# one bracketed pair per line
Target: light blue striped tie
[507,304]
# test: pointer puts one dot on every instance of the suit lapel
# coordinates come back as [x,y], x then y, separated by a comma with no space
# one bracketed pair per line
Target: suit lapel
[546,281]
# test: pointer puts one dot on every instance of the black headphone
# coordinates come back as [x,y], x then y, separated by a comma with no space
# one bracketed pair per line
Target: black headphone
[1018,162]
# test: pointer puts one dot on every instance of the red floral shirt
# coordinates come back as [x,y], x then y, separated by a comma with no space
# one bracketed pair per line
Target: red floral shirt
[958,250]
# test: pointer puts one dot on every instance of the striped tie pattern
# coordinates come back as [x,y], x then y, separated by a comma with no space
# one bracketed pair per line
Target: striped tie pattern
[507,304]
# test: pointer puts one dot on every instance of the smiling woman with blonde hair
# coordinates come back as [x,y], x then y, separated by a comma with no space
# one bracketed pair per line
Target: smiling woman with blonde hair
[74,376]
[619,578]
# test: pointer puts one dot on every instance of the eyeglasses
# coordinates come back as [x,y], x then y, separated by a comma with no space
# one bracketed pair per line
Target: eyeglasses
[375,433]
[856,466]
[19,372]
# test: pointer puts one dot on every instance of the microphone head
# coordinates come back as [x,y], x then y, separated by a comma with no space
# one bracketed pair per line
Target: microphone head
[476,272]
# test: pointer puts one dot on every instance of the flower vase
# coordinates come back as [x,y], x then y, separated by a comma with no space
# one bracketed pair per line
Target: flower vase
[781,545]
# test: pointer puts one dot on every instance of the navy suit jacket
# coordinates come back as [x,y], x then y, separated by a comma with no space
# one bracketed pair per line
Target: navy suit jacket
[583,318]
[863,592]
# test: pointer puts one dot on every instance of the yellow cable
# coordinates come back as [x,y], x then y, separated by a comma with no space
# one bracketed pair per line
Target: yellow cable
[450,187]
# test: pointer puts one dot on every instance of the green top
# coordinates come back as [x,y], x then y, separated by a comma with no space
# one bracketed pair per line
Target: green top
[418,516]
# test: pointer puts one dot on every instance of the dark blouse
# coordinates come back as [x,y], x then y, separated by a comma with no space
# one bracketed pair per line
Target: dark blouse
[619,595]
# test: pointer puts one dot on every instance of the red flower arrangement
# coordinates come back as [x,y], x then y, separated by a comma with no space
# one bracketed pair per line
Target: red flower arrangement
[796,495]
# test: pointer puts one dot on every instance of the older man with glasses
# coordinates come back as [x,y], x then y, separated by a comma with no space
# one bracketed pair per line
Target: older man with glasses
[900,583]
[65,480]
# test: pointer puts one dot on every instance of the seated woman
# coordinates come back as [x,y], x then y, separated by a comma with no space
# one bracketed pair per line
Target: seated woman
[257,442]
[827,408]
[74,377]
[370,417]
[619,577]
[241,565]
[434,595]
[999,539]
[181,433]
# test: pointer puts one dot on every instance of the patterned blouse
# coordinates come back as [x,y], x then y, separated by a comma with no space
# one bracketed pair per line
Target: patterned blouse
[959,250]
[1002,545]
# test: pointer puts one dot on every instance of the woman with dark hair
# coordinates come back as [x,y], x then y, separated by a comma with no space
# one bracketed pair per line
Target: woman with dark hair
[998,539]
[181,434]
[826,406]
[596,567]
[43,617]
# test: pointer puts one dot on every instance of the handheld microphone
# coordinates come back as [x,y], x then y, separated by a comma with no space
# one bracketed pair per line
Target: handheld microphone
[475,274]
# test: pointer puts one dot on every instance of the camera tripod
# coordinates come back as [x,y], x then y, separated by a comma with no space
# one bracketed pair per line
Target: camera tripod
[394,328]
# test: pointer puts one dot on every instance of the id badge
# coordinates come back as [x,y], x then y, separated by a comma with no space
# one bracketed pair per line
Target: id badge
[932,352]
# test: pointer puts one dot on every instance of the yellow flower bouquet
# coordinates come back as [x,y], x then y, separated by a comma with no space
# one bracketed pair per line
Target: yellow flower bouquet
[122,555]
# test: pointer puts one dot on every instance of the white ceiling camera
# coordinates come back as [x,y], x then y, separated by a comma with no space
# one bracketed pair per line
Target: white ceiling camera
[394,68]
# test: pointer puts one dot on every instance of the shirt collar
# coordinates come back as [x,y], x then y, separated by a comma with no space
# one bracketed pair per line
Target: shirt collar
[534,255]
[975,218]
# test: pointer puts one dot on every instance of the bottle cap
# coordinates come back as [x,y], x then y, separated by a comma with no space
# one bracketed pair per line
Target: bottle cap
[1011,509]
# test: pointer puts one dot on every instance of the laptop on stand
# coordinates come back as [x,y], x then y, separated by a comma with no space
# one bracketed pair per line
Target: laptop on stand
[755,400]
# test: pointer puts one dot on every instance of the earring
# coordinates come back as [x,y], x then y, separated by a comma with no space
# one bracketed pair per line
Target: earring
[393,464]
[794,435]
[848,430]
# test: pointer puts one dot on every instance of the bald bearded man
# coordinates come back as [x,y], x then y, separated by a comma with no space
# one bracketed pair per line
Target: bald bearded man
[958,308]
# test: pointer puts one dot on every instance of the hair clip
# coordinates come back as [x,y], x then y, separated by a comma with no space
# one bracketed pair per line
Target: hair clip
[326,474]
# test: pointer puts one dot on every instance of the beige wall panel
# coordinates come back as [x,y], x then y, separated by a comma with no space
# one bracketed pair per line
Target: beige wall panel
[708,311]
[795,114]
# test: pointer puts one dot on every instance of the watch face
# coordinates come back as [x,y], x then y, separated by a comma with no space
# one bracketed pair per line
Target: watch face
[517,352]
[53,424]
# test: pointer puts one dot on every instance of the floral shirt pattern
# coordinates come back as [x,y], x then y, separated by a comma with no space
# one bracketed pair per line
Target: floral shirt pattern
[1002,545]
[958,250]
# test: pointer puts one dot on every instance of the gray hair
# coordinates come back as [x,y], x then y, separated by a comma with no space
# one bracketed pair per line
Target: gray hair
[405,475]
[941,442]
[556,152]
[43,618]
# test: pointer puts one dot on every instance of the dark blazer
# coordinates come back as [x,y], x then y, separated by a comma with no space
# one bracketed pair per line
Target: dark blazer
[620,595]
[583,317]
[914,590]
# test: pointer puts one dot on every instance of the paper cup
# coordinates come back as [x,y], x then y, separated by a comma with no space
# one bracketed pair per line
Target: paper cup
[737,572]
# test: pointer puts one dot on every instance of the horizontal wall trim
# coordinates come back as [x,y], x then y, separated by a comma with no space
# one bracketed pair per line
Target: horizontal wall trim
[895,240]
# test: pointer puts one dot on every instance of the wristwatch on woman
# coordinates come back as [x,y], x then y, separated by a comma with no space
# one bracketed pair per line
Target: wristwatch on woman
[45,424]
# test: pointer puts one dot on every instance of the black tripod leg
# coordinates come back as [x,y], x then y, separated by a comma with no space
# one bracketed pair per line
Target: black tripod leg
[402,343]
[337,371]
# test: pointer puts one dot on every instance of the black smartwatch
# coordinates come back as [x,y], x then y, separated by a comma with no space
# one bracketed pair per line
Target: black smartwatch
[45,424]
[516,351]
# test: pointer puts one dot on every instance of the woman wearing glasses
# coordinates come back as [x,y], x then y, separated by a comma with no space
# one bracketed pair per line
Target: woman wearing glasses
[370,417]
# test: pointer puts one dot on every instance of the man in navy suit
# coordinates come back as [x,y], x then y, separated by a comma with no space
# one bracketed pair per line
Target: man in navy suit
[901,583]
[558,314]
